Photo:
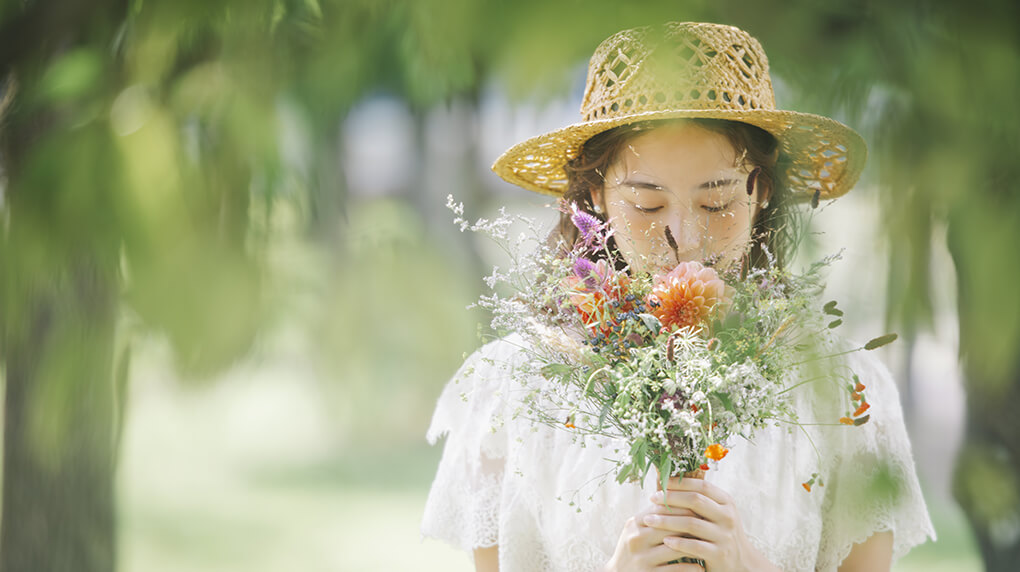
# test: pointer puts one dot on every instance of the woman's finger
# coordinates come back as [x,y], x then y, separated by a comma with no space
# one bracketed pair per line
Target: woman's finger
[662,555]
[692,547]
[702,505]
[659,508]
[685,525]
[700,486]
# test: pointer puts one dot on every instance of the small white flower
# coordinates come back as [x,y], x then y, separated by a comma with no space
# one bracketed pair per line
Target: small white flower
[670,386]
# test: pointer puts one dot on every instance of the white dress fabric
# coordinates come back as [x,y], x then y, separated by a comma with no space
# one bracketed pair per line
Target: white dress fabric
[535,491]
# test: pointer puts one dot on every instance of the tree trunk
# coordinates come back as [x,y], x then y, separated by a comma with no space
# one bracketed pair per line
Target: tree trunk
[59,437]
[58,287]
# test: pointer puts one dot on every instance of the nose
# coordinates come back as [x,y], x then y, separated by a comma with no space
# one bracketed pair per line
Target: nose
[688,232]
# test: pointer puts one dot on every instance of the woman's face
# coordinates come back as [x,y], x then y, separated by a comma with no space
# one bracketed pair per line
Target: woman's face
[684,177]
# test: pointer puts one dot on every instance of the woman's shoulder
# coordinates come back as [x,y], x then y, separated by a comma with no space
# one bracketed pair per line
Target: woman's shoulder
[481,388]
[511,346]
[494,363]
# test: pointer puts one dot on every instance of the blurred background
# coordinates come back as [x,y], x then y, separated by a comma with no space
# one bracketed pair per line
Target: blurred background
[230,291]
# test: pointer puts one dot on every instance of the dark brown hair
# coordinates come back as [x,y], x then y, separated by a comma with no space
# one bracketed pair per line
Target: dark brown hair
[773,228]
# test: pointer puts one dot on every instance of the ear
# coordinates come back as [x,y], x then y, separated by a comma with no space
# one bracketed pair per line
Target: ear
[597,197]
[762,194]
[763,190]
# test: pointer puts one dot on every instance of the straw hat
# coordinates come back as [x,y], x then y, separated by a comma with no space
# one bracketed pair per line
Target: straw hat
[690,70]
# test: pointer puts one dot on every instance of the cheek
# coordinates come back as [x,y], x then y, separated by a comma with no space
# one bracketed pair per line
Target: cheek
[731,229]
[626,226]
[635,230]
[632,232]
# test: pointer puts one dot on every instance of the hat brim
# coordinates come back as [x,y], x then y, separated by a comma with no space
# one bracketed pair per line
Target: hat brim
[819,154]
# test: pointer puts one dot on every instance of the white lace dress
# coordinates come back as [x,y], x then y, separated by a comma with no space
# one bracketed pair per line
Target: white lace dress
[534,491]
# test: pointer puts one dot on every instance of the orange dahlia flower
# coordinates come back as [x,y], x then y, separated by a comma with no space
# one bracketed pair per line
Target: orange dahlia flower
[686,296]
[716,452]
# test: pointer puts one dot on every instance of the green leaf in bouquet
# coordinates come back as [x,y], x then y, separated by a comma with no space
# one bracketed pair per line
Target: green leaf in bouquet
[880,341]
[724,400]
[641,464]
[856,380]
[625,472]
[602,414]
[831,309]
[651,322]
[639,448]
[590,381]
[665,469]
[641,459]
[835,324]
[561,371]
[623,400]
[730,321]
[624,369]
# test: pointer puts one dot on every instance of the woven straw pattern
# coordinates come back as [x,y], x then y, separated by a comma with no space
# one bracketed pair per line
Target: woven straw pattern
[690,70]
[717,68]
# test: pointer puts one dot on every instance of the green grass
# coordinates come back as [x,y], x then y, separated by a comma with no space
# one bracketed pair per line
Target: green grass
[953,551]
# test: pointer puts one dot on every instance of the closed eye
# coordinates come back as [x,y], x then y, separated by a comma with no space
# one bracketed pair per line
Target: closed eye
[647,210]
[717,209]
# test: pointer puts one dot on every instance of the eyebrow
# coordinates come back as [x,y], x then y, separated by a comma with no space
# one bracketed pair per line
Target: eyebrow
[641,185]
[718,183]
[654,187]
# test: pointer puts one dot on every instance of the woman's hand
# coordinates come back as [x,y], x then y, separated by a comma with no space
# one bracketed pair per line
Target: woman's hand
[641,547]
[702,522]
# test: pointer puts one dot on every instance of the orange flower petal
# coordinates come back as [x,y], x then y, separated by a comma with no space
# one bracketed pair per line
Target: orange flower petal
[686,295]
[716,452]
[859,387]
[807,486]
[864,407]
[846,421]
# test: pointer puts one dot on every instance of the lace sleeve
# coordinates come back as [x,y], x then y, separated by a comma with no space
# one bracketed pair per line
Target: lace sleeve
[463,504]
[872,485]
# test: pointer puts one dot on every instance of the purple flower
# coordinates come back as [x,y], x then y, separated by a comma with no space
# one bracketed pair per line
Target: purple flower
[585,269]
[585,222]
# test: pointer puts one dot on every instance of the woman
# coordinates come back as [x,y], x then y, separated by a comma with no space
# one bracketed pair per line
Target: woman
[682,150]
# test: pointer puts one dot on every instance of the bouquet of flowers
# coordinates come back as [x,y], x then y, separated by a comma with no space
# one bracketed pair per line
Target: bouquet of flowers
[676,365]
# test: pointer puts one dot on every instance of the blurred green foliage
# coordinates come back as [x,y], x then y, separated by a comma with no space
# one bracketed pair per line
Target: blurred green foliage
[393,323]
[145,182]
